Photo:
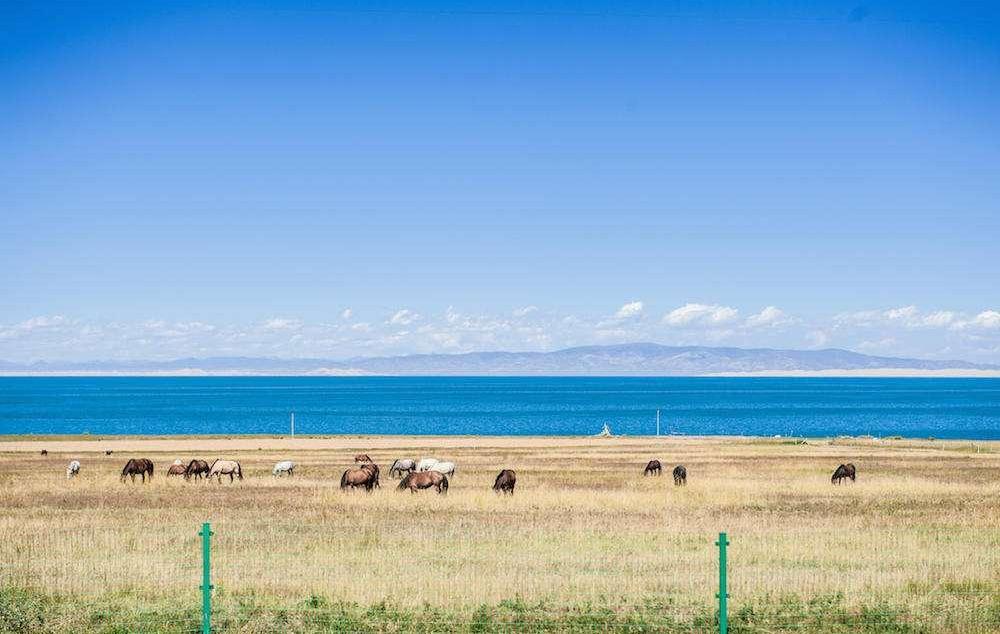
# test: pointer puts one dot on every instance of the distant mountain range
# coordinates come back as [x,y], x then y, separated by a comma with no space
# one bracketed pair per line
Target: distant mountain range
[637,359]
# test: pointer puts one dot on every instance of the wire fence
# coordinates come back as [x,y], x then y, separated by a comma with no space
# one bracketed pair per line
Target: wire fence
[291,578]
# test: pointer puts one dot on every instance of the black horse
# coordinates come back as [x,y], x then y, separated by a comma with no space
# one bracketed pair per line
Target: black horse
[505,482]
[653,467]
[843,472]
[680,475]
[138,467]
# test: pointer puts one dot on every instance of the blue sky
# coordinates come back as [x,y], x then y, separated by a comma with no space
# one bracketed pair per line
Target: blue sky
[225,178]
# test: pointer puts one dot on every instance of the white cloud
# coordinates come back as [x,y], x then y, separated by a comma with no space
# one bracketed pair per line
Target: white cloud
[346,314]
[524,311]
[403,317]
[700,314]
[42,321]
[769,316]
[939,319]
[905,316]
[631,309]
[986,320]
[280,323]
[818,339]
[905,313]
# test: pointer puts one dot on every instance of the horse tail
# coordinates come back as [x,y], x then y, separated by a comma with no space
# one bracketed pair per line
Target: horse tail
[239,471]
[444,485]
[343,480]
[150,469]
[403,484]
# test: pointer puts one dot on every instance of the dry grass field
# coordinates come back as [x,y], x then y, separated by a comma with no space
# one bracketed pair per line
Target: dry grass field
[586,542]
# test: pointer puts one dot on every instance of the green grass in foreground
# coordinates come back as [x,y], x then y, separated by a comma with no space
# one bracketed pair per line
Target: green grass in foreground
[29,611]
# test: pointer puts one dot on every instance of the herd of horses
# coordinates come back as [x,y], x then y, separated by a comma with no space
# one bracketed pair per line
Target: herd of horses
[428,473]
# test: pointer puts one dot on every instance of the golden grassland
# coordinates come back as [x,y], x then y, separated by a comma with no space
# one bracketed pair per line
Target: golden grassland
[914,545]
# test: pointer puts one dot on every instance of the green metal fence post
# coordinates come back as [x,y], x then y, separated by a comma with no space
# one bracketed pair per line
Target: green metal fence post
[206,578]
[723,593]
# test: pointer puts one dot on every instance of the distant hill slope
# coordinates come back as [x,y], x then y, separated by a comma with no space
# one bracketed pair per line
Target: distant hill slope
[637,359]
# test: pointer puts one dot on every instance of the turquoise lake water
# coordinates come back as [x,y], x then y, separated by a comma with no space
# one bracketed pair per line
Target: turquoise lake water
[943,408]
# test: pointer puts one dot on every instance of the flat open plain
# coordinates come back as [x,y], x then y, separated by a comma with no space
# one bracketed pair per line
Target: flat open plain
[585,543]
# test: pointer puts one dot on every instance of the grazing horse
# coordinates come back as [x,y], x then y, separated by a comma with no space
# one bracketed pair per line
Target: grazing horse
[843,472]
[426,463]
[505,482]
[45,452]
[402,465]
[138,466]
[447,468]
[365,476]
[107,452]
[362,457]
[424,480]
[653,467]
[176,470]
[72,469]
[680,475]
[196,468]
[285,466]
[230,468]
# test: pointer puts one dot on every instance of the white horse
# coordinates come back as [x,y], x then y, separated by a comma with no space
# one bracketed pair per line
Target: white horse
[425,464]
[401,465]
[285,466]
[72,469]
[447,468]
[225,467]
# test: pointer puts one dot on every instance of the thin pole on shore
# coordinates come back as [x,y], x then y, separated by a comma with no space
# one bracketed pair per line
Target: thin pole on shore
[657,422]
[293,424]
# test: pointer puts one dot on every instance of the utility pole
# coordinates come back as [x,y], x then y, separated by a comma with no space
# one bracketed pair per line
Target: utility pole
[293,424]
[657,422]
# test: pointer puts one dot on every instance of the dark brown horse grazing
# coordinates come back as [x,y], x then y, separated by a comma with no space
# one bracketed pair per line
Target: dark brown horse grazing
[138,467]
[107,452]
[176,470]
[505,482]
[653,467]
[45,452]
[680,475]
[843,472]
[196,468]
[362,457]
[365,476]
[424,480]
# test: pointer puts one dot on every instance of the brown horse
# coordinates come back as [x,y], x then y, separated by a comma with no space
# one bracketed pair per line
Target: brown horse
[505,482]
[365,476]
[363,457]
[45,452]
[107,452]
[196,468]
[680,475]
[424,480]
[843,472]
[653,467]
[176,470]
[138,467]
